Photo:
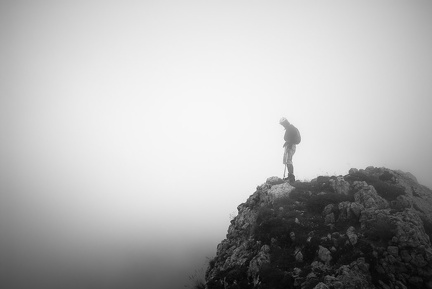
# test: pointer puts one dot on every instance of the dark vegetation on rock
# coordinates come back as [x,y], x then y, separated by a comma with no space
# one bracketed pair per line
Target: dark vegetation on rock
[368,229]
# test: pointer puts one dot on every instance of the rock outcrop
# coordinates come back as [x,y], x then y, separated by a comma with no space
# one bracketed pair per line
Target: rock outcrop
[368,229]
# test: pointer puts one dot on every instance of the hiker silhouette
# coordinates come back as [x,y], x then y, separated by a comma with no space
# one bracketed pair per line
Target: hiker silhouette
[292,139]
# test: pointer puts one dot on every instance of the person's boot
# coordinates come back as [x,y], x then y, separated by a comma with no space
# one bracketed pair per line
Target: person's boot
[286,178]
[291,178]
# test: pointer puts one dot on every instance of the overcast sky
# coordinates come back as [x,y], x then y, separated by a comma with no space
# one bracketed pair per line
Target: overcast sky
[131,130]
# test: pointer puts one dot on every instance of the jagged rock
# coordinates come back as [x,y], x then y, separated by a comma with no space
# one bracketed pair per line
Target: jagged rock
[243,220]
[343,208]
[263,187]
[281,190]
[352,171]
[408,175]
[298,254]
[263,257]
[328,209]
[368,197]
[329,219]
[349,210]
[339,185]
[409,236]
[372,218]
[317,266]
[392,236]
[258,199]
[355,275]
[418,196]
[311,278]
[274,181]
[238,257]
[331,281]
[337,239]
[324,254]
[352,235]
[356,209]
[410,231]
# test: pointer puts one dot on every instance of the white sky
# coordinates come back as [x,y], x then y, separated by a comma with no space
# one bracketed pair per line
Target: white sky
[137,127]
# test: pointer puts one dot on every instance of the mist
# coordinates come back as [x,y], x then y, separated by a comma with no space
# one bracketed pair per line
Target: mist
[131,131]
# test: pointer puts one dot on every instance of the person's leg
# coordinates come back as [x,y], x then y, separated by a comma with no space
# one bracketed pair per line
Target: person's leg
[290,165]
[291,176]
[290,169]
[286,169]
[285,161]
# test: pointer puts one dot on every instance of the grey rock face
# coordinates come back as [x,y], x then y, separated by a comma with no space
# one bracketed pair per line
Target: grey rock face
[262,258]
[329,219]
[349,210]
[274,181]
[367,196]
[352,236]
[339,185]
[281,190]
[324,254]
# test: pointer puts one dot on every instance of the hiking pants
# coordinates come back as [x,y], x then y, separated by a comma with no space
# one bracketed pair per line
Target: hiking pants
[288,154]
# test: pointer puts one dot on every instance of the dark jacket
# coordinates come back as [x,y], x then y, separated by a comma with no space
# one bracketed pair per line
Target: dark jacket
[290,135]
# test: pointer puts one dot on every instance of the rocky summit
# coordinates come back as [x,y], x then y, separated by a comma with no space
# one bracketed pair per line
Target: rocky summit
[371,228]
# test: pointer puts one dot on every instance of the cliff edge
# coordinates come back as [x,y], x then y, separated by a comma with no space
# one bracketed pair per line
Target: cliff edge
[368,229]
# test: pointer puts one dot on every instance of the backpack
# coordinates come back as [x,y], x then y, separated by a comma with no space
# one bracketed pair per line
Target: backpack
[296,134]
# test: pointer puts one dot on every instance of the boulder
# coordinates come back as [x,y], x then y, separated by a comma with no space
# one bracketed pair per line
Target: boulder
[263,257]
[328,209]
[356,209]
[349,210]
[343,208]
[324,254]
[329,219]
[353,171]
[339,185]
[274,181]
[410,231]
[238,257]
[408,175]
[281,190]
[367,196]
[298,255]
[355,275]
[352,236]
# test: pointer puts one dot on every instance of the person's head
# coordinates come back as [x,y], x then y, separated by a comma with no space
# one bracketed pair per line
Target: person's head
[284,122]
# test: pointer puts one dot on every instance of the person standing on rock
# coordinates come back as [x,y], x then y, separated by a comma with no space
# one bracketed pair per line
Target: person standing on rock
[292,139]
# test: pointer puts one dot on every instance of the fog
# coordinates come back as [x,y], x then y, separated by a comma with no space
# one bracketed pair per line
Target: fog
[132,130]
